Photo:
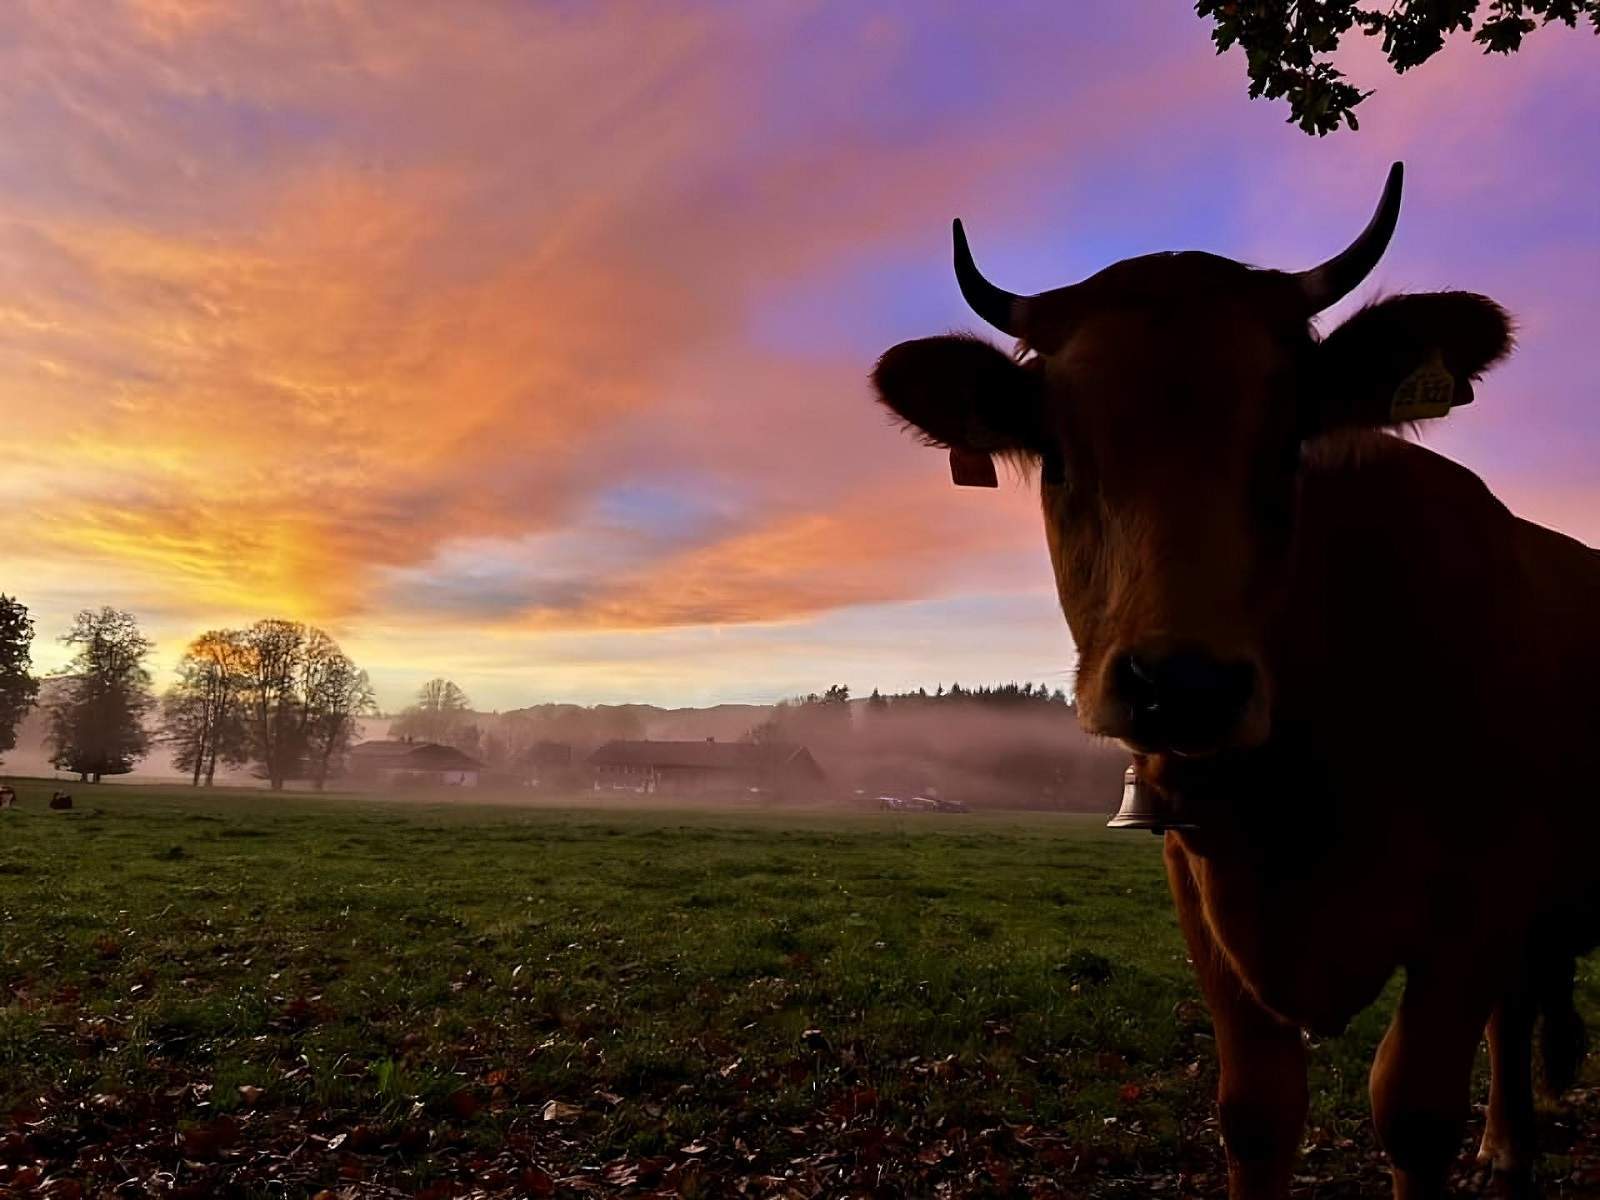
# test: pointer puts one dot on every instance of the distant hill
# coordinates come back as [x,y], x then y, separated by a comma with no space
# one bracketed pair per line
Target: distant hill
[588,727]
[653,717]
[725,722]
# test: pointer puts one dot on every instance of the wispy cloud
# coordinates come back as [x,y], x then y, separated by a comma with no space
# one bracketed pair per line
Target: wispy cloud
[553,322]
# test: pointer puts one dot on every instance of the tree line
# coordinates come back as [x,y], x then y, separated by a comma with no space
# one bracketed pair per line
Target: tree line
[279,695]
[827,714]
[282,698]
[1004,695]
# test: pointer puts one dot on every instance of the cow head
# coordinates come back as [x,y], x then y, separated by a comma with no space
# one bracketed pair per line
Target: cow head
[1167,402]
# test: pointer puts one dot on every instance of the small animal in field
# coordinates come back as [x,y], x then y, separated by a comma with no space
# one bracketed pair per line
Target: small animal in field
[60,800]
[8,797]
[1356,689]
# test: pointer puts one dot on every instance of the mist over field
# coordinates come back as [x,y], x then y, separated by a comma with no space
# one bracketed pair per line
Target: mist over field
[1019,757]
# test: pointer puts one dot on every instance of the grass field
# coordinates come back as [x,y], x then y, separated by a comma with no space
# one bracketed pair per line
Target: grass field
[243,994]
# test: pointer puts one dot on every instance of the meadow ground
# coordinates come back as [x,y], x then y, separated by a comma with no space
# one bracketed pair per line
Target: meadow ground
[243,994]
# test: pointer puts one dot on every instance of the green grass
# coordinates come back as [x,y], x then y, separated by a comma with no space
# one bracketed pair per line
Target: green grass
[866,1004]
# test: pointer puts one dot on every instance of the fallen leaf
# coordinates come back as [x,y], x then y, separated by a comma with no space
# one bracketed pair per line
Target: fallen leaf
[209,1140]
[464,1104]
[537,1182]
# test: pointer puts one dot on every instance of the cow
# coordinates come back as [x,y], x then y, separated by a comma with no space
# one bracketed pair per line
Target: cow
[60,800]
[1356,689]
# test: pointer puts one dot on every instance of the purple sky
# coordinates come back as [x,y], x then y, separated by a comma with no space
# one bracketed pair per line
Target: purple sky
[530,348]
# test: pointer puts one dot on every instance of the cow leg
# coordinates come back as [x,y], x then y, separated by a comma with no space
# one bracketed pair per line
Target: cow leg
[1511,1128]
[1261,1093]
[1422,1077]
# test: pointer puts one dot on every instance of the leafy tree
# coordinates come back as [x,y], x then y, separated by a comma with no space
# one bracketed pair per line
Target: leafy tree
[203,713]
[333,694]
[806,718]
[272,710]
[1288,43]
[18,687]
[569,724]
[494,748]
[439,715]
[302,695]
[97,721]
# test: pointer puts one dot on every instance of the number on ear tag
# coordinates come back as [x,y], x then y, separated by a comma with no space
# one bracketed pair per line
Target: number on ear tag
[971,468]
[1429,391]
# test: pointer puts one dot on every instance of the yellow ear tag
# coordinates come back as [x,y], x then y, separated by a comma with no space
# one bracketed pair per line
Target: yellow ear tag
[1429,391]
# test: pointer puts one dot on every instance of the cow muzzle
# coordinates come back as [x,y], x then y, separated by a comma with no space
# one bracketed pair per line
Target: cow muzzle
[1183,701]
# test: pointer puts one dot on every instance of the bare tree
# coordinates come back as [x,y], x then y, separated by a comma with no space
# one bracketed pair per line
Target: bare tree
[439,715]
[97,722]
[203,713]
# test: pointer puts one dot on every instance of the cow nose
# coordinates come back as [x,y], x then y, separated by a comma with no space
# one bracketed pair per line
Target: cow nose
[1184,699]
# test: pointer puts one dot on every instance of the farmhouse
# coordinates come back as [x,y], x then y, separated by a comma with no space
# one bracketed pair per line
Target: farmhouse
[781,769]
[413,764]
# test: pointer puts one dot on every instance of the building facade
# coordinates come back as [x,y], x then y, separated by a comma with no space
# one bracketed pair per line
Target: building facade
[403,764]
[777,770]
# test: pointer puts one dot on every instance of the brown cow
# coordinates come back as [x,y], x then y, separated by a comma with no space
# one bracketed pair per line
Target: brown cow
[1357,688]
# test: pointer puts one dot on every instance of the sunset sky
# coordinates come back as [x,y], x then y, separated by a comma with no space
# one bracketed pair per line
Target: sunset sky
[526,343]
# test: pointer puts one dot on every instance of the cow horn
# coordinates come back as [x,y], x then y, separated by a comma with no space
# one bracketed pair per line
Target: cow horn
[1335,279]
[1002,309]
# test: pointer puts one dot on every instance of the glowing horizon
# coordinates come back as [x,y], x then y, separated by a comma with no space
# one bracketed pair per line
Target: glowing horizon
[531,351]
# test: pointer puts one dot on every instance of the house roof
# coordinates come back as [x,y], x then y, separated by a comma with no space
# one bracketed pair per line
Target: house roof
[707,755]
[414,756]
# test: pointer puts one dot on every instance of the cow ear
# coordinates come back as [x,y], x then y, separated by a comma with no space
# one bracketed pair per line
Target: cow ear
[962,393]
[1406,359]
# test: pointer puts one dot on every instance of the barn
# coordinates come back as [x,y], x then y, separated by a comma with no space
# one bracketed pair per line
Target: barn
[412,764]
[768,769]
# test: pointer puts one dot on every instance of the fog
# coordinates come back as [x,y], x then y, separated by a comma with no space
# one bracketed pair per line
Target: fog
[1030,756]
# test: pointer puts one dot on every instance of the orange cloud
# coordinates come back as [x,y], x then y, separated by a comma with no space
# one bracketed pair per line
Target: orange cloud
[417,320]
[876,546]
[371,314]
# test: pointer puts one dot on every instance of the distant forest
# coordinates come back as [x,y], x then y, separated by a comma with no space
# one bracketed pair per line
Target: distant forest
[1004,695]
[1014,745]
